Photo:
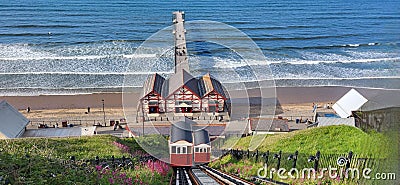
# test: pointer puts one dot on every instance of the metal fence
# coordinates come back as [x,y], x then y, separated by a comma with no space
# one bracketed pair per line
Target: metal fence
[319,162]
[74,122]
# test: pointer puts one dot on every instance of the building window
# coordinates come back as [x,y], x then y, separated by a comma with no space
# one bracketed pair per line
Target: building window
[183,109]
[212,102]
[212,108]
[153,109]
[173,149]
[202,149]
[183,102]
[181,150]
[153,103]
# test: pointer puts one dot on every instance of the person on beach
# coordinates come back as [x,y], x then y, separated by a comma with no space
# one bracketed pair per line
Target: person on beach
[28,109]
[314,107]
[115,126]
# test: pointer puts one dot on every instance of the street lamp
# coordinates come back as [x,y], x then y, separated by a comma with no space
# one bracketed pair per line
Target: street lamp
[104,113]
[315,159]
[294,158]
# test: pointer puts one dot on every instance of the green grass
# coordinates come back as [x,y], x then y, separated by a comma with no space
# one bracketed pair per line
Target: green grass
[63,148]
[46,161]
[331,141]
[156,145]
[328,140]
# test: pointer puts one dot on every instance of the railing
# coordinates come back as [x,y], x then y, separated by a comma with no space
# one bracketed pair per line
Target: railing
[74,122]
[293,118]
[175,118]
[319,162]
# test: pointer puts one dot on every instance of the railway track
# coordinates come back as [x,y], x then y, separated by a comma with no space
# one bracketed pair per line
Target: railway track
[181,177]
[203,175]
[224,178]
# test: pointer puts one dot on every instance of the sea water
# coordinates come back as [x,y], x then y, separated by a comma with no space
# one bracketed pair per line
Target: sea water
[85,46]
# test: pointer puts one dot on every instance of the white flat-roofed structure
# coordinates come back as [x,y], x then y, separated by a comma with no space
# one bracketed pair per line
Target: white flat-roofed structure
[328,121]
[351,101]
[12,122]
[60,132]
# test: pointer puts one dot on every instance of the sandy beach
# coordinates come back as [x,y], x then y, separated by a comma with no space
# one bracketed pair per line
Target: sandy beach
[292,101]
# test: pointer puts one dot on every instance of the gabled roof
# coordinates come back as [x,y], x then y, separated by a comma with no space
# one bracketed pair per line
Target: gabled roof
[201,137]
[385,99]
[207,84]
[182,130]
[270,125]
[237,128]
[161,130]
[153,83]
[327,121]
[351,101]
[179,79]
[12,122]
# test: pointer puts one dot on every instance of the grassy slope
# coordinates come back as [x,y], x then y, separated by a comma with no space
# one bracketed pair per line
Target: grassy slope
[35,160]
[329,140]
[63,148]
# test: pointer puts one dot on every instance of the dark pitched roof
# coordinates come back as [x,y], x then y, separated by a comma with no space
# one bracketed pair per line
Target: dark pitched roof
[208,84]
[153,83]
[270,125]
[385,99]
[161,130]
[214,130]
[165,87]
[201,137]
[182,130]
[178,80]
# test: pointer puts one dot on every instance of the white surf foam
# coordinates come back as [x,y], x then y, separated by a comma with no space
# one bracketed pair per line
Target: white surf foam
[85,73]
[222,63]
[140,56]
[90,57]
[84,57]
[232,63]
[296,62]
[335,78]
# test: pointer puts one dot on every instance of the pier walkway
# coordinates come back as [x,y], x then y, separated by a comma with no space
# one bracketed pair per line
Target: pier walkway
[181,58]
